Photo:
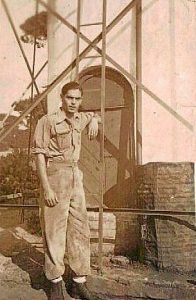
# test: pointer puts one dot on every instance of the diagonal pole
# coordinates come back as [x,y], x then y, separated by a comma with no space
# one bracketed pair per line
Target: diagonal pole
[73,64]
[19,43]
[64,73]
[23,94]
[114,22]
[102,135]
[35,77]
[78,37]
[118,66]
[30,126]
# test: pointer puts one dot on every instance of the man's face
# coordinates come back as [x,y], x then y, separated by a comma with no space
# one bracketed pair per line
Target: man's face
[72,101]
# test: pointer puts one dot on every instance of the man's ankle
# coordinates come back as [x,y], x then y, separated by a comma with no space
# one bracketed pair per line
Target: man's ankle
[56,280]
[56,290]
[80,279]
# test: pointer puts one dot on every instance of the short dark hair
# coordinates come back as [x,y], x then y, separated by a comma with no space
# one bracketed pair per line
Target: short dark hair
[72,85]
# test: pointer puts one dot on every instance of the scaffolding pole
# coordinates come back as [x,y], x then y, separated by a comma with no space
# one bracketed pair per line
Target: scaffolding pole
[65,72]
[78,38]
[131,211]
[73,63]
[139,86]
[19,44]
[92,44]
[127,74]
[102,143]
[139,78]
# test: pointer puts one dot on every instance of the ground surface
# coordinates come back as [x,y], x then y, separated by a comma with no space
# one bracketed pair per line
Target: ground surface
[21,260]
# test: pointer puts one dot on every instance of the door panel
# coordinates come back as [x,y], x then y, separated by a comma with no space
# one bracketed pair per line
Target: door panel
[119,141]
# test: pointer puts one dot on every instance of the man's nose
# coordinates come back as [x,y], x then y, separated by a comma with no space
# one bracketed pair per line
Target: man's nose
[73,100]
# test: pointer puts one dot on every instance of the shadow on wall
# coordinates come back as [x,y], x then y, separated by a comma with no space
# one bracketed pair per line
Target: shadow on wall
[119,156]
[119,153]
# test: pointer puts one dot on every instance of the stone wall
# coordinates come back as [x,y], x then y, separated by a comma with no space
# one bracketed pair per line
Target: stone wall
[109,232]
[127,235]
[169,242]
[121,233]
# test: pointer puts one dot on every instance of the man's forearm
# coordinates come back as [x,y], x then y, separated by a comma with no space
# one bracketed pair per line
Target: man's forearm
[41,169]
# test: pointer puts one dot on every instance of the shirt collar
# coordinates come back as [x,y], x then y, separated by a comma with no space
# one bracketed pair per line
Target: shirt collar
[61,116]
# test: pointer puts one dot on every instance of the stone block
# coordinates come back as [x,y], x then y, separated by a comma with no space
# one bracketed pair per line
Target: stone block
[120,261]
[168,242]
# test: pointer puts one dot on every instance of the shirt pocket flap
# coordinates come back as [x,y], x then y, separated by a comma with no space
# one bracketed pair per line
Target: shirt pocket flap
[62,128]
[63,136]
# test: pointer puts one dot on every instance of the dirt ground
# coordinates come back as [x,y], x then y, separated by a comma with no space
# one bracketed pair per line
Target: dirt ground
[21,275]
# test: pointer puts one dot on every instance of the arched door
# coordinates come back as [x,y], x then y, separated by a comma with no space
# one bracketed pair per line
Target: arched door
[119,140]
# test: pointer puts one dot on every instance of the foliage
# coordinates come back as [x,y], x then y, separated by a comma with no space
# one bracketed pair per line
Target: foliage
[16,175]
[32,118]
[33,222]
[35,27]
[37,112]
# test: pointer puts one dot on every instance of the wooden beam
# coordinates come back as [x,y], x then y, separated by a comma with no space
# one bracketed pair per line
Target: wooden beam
[139,78]
[69,68]
[120,68]
[132,211]
[19,44]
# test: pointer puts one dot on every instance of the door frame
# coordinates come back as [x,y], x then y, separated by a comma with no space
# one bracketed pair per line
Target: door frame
[117,77]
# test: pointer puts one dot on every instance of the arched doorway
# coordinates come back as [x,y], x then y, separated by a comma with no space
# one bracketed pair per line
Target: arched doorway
[119,139]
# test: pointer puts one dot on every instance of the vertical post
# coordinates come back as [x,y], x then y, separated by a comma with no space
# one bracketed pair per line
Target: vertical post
[33,74]
[172,43]
[78,38]
[195,188]
[52,98]
[139,78]
[30,126]
[102,159]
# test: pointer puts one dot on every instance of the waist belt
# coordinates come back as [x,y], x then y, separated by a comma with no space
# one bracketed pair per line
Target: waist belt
[62,162]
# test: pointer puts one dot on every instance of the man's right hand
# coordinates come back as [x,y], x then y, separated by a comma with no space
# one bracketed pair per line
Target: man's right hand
[50,197]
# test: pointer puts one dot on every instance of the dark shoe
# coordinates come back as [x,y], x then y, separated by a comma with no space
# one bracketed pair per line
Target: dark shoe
[56,291]
[80,291]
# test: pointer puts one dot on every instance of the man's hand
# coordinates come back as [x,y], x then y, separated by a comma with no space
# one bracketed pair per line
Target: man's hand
[50,197]
[93,128]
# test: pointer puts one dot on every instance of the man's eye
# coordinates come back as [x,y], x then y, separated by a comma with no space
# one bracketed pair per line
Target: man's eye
[71,98]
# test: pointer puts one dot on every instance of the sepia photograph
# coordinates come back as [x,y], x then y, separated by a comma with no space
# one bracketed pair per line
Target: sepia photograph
[97,149]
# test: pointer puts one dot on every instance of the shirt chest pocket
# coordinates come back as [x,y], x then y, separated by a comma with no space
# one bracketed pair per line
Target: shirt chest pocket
[63,136]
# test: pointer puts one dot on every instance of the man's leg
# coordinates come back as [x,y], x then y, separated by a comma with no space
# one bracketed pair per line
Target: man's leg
[53,220]
[78,233]
[54,225]
[54,237]
[78,238]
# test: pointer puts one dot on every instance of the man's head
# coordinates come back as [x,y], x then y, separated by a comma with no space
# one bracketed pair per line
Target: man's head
[71,95]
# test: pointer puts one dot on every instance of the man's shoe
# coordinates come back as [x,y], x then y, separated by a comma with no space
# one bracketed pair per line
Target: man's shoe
[80,291]
[56,291]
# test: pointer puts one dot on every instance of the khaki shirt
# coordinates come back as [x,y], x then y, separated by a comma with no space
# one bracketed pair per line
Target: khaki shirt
[58,137]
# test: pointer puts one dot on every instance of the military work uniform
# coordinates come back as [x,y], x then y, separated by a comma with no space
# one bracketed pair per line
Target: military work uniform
[64,226]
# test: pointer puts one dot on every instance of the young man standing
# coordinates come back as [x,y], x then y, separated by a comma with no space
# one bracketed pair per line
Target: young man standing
[63,214]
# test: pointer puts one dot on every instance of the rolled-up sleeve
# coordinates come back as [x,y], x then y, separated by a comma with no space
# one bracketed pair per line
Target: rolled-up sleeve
[41,138]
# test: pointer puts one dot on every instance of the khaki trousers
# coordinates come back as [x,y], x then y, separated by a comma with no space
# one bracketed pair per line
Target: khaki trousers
[65,226]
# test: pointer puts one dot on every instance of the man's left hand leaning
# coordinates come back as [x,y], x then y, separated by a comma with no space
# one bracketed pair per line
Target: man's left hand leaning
[93,129]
